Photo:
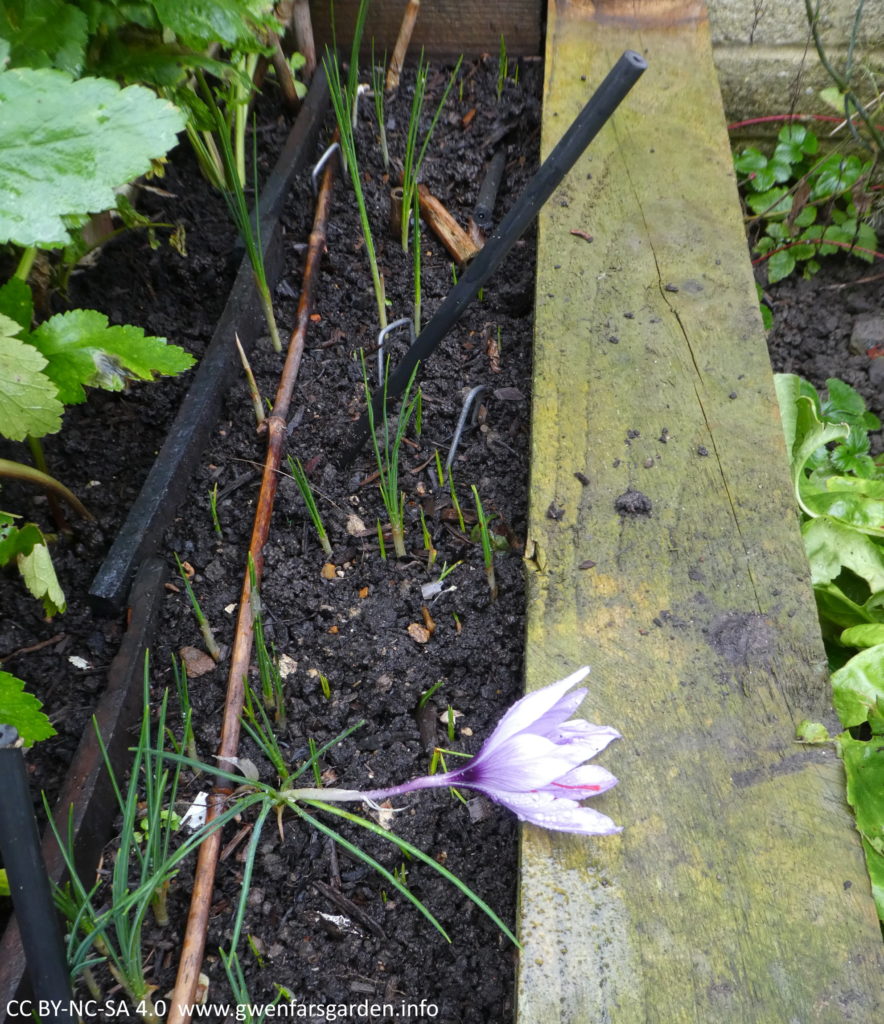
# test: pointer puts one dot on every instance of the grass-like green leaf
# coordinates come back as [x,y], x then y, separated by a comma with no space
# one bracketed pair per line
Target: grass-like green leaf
[21,710]
[65,145]
[418,854]
[83,350]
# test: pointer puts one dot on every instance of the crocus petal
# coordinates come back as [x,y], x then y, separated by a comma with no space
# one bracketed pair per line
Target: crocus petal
[585,781]
[593,737]
[522,764]
[535,706]
[559,814]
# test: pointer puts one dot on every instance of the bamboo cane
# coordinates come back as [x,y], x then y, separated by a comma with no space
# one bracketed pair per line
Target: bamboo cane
[402,41]
[194,941]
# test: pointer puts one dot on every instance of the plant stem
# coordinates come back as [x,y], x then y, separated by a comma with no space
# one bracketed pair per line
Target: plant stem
[19,471]
[23,270]
[254,394]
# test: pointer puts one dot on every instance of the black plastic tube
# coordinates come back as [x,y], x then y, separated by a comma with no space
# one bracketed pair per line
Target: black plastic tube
[29,885]
[620,79]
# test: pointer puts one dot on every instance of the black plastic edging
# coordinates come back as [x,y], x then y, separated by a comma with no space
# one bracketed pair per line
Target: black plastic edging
[167,482]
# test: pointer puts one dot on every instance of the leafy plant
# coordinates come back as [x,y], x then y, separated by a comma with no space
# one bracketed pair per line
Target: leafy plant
[502,67]
[839,487]
[803,207]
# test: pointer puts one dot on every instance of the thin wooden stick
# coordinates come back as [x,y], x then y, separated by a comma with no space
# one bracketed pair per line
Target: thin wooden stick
[284,76]
[194,942]
[450,233]
[303,28]
[402,41]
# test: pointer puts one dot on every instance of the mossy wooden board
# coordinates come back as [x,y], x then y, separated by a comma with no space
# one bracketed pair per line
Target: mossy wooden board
[737,891]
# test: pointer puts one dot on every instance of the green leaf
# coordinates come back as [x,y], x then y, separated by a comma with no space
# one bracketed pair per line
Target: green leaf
[231,22]
[16,540]
[38,572]
[44,33]
[775,202]
[65,145]
[858,688]
[864,771]
[832,546]
[28,399]
[22,711]
[868,634]
[82,350]
[834,175]
[780,265]
[17,303]
[750,161]
[805,434]
[4,883]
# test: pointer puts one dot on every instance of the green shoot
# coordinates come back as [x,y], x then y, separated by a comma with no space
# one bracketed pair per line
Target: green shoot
[377,88]
[401,874]
[342,98]
[502,67]
[213,506]
[416,260]
[387,454]
[453,274]
[106,922]
[487,546]
[425,696]
[458,625]
[300,478]
[325,686]
[314,761]
[447,570]
[428,541]
[414,158]
[254,393]
[255,950]
[234,196]
[419,412]
[188,740]
[455,503]
[440,472]
[257,724]
[382,547]
[212,648]
[268,672]
[450,724]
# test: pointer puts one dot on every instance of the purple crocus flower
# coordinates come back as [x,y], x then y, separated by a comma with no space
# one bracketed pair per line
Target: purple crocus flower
[533,763]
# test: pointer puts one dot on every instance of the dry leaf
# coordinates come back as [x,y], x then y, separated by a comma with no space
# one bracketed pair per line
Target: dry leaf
[328,571]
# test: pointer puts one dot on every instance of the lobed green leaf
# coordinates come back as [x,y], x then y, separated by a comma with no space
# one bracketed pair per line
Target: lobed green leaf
[81,349]
[21,710]
[65,145]
[29,402]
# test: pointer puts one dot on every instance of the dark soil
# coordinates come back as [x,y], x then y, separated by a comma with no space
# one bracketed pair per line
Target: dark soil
[358,620]
[322,924]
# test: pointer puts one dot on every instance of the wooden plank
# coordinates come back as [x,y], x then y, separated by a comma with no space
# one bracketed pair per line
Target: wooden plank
[737,891]
[444,28]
